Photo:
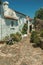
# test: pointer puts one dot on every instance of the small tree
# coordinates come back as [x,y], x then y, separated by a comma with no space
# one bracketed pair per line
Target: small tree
[41,33]
[24,29]
[35,38]
[38,15]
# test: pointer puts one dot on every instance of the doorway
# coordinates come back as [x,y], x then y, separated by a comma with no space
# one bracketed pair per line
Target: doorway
[30,28]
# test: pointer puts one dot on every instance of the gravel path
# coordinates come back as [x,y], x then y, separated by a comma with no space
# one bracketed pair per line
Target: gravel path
[21,53]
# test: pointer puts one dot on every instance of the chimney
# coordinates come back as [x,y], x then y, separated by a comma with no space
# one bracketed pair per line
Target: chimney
[5,5]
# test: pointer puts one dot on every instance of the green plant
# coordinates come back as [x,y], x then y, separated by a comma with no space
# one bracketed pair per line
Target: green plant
[37,40]
[9,42]
[24,29]
[41,33]
[33,34]
[16,37]
[34,38]
[12,35]
[6,38]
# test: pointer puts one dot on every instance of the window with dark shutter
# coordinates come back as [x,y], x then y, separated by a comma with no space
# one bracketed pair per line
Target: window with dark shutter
[12,23]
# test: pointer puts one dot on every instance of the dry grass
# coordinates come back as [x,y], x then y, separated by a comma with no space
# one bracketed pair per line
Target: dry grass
[21,53]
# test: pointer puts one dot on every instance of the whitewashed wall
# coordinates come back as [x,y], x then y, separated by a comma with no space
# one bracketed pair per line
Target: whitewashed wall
[7,28]
[5,24]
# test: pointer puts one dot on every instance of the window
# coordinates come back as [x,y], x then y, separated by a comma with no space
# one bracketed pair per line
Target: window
[12,23]
[15,23]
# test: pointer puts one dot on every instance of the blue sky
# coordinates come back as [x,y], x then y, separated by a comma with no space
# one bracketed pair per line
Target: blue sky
[27,7]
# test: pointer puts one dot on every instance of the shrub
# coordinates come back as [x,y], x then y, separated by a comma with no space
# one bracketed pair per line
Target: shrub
[6,38]
[12,35]
[34,38]
[9,42]
[37,40]
[16,37]
[24,29]
[33,34]
[41,33]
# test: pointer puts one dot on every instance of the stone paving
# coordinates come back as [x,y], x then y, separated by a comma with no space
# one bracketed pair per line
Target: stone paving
[21,53]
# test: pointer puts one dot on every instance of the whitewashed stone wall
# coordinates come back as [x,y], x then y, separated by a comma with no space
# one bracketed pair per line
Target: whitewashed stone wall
[5,24]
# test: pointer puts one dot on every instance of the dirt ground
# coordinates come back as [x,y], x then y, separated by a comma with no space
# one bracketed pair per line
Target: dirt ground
[21,53]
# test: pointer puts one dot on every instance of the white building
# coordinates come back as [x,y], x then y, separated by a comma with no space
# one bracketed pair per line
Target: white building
[11,21]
